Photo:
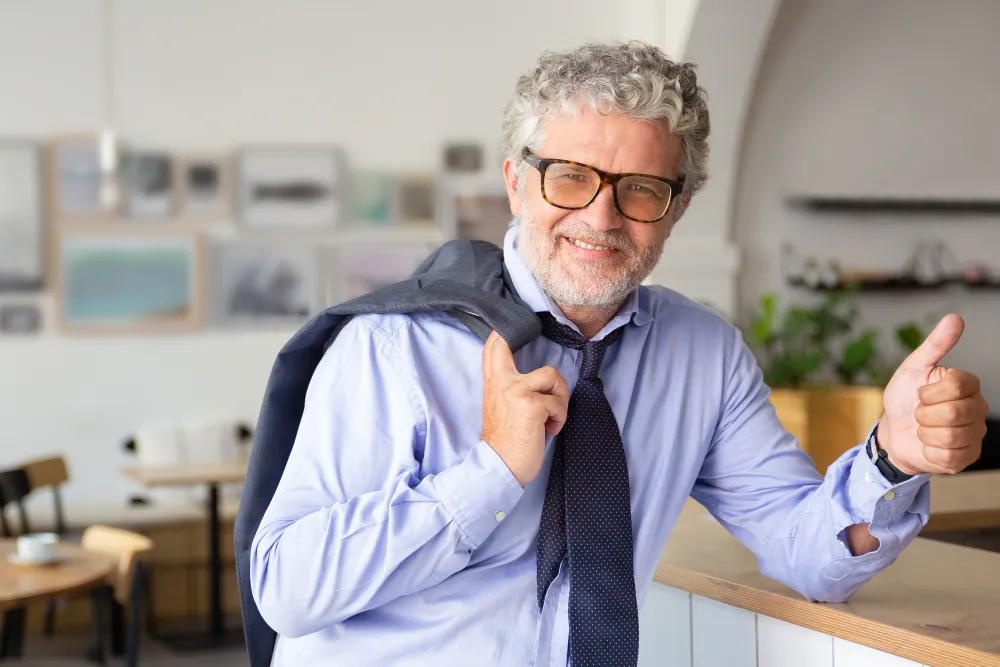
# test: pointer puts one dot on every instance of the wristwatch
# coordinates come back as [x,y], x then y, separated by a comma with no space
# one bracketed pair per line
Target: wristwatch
[880,458]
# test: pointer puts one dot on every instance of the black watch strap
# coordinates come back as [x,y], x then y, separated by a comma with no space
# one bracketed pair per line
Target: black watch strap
[880,458]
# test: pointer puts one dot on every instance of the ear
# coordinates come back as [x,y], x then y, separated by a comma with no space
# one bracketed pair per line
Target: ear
[510,180]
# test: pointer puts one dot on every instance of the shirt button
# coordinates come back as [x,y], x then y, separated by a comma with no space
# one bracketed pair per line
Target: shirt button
[889,495]
[868,477]
[500,515]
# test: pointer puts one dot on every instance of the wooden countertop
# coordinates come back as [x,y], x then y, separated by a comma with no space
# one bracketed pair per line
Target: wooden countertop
[938,604]
[965,501]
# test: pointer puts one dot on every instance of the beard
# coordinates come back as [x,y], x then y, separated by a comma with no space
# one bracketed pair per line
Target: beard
[575,283]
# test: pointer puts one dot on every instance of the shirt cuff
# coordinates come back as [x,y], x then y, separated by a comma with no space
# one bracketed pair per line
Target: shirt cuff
[479,492]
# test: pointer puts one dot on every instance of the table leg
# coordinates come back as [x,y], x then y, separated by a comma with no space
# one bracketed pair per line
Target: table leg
[215,563]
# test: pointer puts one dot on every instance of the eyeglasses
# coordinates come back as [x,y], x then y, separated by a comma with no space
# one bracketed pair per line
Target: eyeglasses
[574,185]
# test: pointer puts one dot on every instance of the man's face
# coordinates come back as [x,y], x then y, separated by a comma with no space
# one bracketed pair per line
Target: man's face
[577,276]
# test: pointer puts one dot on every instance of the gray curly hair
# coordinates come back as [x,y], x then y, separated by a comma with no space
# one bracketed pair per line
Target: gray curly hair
[630,78]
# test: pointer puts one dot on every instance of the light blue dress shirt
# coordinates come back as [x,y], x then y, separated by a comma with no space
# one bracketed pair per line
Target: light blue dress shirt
[398,537]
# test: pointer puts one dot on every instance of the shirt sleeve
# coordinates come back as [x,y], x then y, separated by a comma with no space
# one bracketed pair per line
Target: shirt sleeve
[353,524]
[766,491]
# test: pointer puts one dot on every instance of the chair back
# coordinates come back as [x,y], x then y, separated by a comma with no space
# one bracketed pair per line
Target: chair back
[14,488]
[126,547]
[49,472]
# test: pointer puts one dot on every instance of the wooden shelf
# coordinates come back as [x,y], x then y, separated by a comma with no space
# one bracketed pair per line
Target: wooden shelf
[901,205]
[900,284]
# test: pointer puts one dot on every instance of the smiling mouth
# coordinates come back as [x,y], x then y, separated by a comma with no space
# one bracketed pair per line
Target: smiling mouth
[587,246]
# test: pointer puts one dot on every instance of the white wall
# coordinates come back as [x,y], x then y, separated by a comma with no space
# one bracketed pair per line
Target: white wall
[897,97]
[388,80]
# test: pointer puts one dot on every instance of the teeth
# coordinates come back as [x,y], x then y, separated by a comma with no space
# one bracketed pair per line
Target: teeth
[581,244]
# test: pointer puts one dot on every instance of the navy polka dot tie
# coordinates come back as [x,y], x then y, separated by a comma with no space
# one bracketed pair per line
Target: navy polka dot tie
[587,515]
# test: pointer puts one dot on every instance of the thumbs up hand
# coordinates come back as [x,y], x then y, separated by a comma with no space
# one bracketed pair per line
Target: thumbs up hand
[519,409]
[934,417]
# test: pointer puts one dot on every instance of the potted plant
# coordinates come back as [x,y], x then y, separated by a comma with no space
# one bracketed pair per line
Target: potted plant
[826,376]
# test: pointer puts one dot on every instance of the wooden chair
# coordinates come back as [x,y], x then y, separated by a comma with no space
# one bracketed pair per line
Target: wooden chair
[126,586]
[14,488]
[49,473]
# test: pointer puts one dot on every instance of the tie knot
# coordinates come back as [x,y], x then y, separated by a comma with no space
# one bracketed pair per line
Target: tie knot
[593,350]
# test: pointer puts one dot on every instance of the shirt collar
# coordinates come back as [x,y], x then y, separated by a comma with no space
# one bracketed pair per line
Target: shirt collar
[532,293]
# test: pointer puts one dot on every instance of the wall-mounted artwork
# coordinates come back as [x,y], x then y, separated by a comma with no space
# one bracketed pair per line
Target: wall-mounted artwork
[417,194]
[205,186]
[463,157]
[22,229]
[360,269]
[129,281]
[290,187]
[21,318]
[373,198]
[256,282]
[148,180]
[475,208]
[78,189]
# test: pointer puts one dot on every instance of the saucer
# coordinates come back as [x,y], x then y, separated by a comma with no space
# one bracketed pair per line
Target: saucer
[16,559]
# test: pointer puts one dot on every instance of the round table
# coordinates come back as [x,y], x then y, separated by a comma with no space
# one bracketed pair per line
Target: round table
[74,571]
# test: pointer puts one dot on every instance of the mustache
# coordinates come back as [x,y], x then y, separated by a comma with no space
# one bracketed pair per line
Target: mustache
[616,238]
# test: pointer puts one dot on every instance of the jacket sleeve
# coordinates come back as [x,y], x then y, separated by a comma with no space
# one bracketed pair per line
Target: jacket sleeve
[352,524]
[765,490]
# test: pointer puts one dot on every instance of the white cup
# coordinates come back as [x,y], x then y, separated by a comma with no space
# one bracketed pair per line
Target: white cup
[36,547]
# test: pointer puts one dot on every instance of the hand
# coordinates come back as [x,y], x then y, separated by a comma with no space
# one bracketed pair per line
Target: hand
[934,417]
[518,409]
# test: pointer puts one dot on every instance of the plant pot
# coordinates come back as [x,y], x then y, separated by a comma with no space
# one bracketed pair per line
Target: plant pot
[840,417]
[828,421]
[792,406]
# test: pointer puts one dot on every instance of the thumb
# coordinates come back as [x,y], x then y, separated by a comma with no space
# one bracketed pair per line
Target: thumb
[938,343]
[499,359]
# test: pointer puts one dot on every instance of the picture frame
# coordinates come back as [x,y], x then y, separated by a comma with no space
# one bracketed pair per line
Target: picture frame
[23,233]
[359,268]
[260,282]
[204,186]
[75,181]
[129,279]
[149,186]
[288,187]
[474,207]
[20,319]
[417,195]
[374,198]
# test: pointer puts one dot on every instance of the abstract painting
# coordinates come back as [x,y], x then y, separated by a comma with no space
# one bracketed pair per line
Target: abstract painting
[290,187]
[256,283]
[148,178]
[361,269]
[126,282]
[205,186]
[79,190]
[21,217]
[373,198]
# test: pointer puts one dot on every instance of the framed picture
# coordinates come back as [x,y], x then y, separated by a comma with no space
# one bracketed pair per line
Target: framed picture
[463,157]
[373,196]
[290,187]
[148,184]
[22,219]
[362,268]
[78,189]
[21,318]
[258,282]
[475,208]
[205,186]
[131,279]
[417,194]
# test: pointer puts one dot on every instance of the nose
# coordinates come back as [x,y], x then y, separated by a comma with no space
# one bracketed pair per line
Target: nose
[602,215]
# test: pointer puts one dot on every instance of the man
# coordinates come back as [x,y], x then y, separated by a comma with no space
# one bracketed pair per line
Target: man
[430,515]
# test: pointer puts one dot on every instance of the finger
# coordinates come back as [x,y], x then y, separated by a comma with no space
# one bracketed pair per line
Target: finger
[952,437]
[951,460]
[951,413]
[954,386]
[938,343]
[546,380]
[557,410]
[501,358]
